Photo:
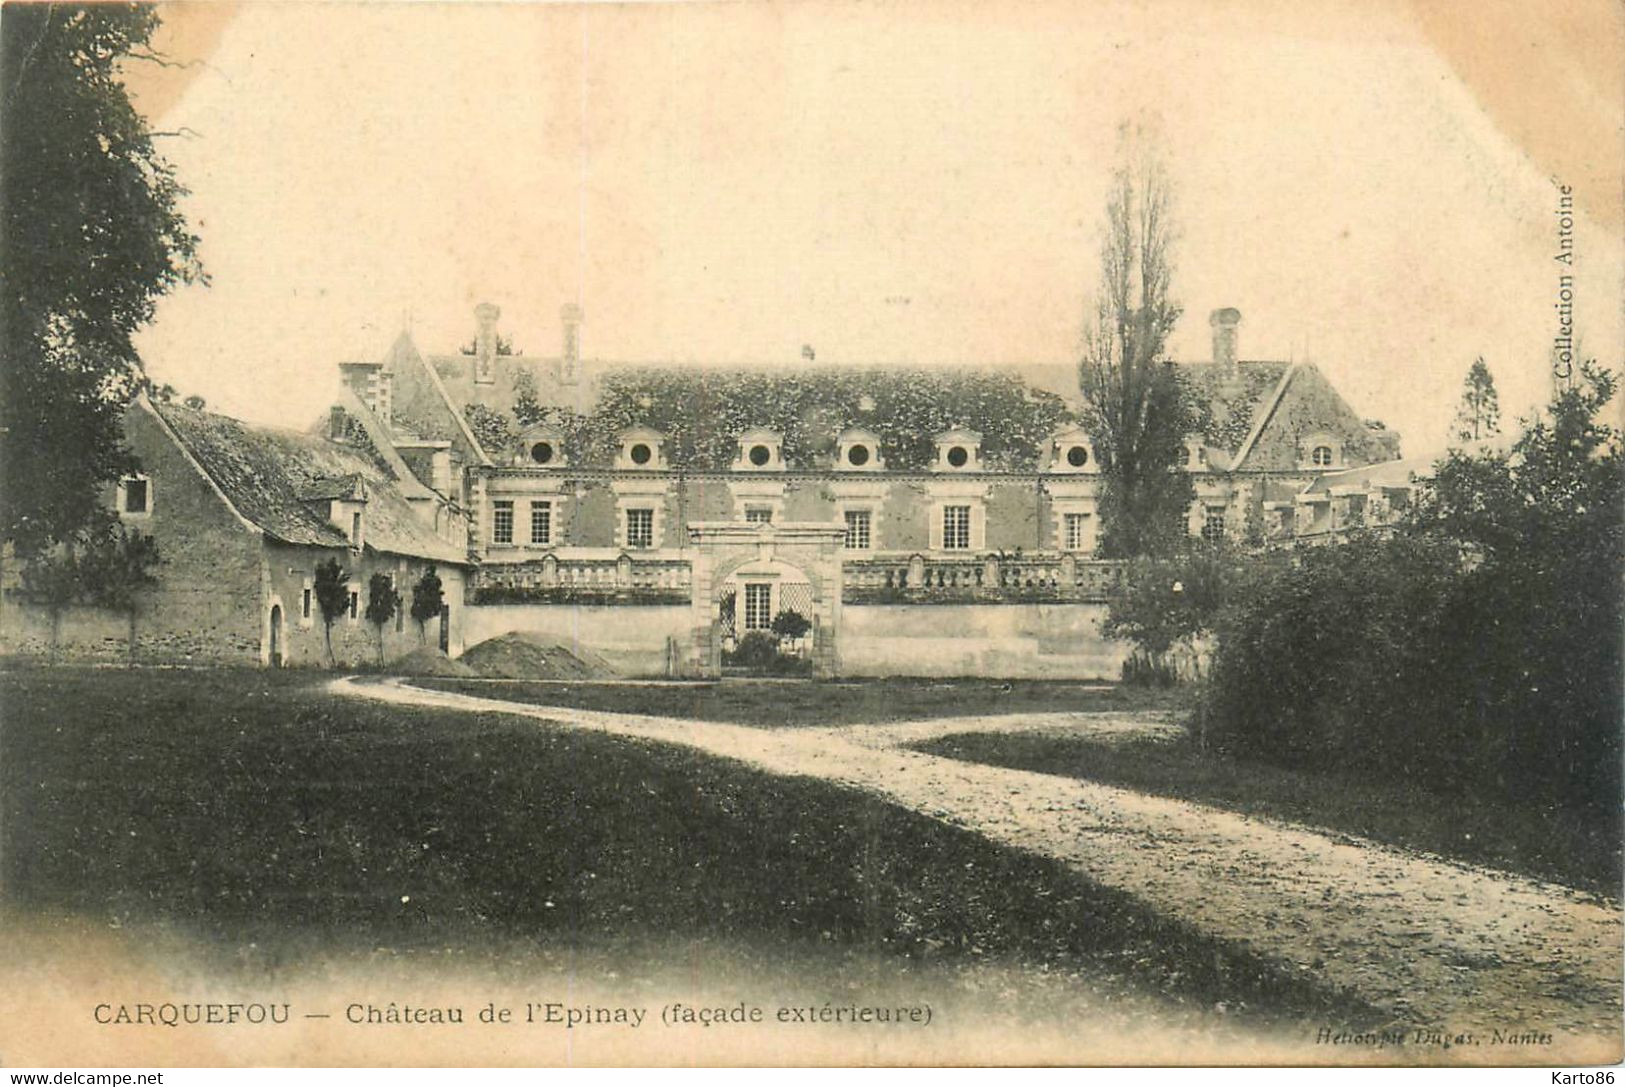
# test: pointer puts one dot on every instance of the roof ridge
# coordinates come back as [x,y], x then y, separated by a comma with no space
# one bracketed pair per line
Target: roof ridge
[1264,417]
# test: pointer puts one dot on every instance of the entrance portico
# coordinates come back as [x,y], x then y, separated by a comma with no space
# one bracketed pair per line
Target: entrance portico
[767,567]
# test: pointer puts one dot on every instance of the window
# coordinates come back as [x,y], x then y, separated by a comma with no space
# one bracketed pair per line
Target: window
[1075,531]
[758,515]
[355,528]
[502,522]
[354,607]
[304,604]
[133,495]
[956,527]
[957,456]
[1321,457]
[1213,526]
[541,523]
[1077,456]
[641,454]
[857,456]
[758,605]
[760,455]
[857,530]
[640,528]
[541,452]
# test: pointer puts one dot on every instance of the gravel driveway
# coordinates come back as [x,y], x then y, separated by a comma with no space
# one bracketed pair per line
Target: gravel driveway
[1531,970]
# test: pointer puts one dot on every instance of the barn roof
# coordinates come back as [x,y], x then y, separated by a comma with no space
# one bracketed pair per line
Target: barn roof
[278,480]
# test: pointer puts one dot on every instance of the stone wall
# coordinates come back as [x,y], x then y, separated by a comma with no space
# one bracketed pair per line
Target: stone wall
[637,641]
[1027,641]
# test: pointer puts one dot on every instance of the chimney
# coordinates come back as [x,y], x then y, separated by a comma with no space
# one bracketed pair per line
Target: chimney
[1224,322]
[571,315]
[485,342]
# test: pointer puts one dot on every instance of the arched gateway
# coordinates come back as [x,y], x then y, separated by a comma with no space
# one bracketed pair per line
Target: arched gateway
[746,573]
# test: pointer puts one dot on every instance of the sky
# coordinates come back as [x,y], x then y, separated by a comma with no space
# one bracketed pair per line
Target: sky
[1373,186]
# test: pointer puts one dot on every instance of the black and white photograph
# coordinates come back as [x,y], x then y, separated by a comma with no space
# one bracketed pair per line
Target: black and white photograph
[766,534]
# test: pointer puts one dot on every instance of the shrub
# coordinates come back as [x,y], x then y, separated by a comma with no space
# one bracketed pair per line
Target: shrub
[1481,649]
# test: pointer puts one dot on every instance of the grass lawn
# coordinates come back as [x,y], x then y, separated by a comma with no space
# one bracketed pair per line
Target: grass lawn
[253,806]
[813,702]
[1545,843]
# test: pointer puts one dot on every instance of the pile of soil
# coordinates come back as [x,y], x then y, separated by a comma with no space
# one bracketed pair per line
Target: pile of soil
[525,656]
[429,662]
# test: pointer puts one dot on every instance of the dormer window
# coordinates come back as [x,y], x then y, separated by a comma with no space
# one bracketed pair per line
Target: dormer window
[760,451]
[642,448]
[959,451]
[1321,451]
[858,450]
[1071,451]
[539,446]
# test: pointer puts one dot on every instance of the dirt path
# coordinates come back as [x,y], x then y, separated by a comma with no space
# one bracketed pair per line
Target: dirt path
[1442,945]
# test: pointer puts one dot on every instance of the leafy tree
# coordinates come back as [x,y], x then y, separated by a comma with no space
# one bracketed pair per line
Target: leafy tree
[1136,409]
[428,599]
[382,604]
[114,568]
[90,237]
[1496,617]
[791,624]
[105,565]
[1479,414]
[332,599]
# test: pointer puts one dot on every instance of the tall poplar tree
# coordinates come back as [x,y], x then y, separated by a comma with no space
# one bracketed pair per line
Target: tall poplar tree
[1136,409]
[1479,414]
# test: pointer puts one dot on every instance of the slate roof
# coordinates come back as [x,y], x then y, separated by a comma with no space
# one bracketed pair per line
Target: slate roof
[274,477]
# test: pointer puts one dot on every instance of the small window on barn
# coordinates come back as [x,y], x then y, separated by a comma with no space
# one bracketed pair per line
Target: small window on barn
[135,496]
[305,602]
[1321,457]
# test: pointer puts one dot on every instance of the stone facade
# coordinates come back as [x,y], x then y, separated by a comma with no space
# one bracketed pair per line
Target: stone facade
[230,589]
[636,531]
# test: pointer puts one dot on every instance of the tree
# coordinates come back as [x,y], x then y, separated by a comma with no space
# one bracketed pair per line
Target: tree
[428,599]
[1136,409]
[114,568]
[332,598]
[90,237]
[1479,415]
[382,604]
